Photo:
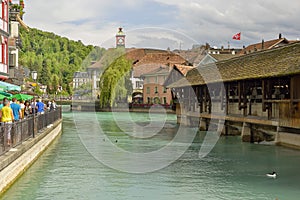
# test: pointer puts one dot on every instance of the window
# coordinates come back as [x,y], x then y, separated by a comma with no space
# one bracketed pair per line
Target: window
[139,84]
[156,90]
[148,90]
[165,100]
[165,90]
[1,9]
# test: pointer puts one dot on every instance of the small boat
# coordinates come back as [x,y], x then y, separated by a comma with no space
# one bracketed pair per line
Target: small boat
[271,175]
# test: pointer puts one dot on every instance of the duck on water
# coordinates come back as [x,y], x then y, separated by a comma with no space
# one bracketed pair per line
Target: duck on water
[272,175]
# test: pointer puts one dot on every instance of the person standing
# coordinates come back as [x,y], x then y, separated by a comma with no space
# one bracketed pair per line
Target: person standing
[16,108]
[32,105]
[27,109]
[2,104]
[22,104]
[40,106]
[53,105]
[7,118]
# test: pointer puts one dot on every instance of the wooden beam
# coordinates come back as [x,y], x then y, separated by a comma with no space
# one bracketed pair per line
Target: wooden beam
[200,99]
[244,98]
[263,90]
[227,86]
[240,95]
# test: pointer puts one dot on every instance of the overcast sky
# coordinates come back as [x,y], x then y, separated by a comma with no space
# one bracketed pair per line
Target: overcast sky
[166,23]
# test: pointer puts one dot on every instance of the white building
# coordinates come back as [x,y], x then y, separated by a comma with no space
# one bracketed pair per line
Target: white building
[4,70]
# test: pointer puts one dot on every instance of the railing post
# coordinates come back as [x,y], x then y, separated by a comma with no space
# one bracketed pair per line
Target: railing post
[34,124]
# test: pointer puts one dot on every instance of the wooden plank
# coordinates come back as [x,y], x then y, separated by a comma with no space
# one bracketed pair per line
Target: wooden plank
[240,95]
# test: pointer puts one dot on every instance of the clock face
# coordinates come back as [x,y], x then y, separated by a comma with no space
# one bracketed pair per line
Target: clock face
[120,41]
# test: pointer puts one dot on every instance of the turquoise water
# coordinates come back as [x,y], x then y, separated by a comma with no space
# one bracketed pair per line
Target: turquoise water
[232,170]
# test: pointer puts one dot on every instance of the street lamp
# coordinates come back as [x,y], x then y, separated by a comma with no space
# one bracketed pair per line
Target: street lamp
[34,77]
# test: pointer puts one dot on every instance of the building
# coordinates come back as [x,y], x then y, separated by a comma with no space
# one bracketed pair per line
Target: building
[212,58]
[147,62]
[154,91]
[263,45]
[80,78]
[4,34]
[143,62]
[260,100]
[222,50]
[177,72]
[16,72]
[120,38]
[95,70]
[194,55]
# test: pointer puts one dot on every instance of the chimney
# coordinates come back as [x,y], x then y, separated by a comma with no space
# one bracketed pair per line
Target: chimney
[280,35]
[262,44]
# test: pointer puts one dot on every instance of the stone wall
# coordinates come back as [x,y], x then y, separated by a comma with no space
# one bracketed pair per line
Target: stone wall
[15,162]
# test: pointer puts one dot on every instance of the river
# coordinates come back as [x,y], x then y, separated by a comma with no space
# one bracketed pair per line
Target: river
[68,169]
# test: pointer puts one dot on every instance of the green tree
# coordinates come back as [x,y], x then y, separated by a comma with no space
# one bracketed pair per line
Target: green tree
[113,82]
[45,74]
[49,54]
[54,83]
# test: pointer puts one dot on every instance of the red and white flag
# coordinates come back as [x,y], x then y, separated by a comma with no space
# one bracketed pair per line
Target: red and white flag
[237,36]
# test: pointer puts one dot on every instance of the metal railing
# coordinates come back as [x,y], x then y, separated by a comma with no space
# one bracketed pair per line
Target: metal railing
[26,128]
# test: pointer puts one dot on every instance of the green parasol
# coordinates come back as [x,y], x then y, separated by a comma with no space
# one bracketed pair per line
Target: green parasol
[22,97]
[3,96]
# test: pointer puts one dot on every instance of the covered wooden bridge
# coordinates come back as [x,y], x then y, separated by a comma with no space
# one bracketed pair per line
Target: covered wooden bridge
[256,95]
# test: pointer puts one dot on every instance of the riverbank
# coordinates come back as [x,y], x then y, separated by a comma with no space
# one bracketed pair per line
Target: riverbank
[90,106]
[18,159]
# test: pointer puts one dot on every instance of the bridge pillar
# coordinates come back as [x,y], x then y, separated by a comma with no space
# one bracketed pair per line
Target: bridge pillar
[222,127]
[246,132]
[203,124]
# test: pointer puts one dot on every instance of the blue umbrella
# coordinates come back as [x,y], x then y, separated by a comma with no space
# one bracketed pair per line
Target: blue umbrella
[9,87]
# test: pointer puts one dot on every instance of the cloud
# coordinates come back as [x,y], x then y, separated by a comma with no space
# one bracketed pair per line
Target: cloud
[215,21]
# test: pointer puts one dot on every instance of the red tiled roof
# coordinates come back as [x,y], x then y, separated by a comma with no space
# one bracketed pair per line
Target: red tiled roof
[144,57]
[160,58]
[183,69]
[177,72]
[145,68]
[160,70]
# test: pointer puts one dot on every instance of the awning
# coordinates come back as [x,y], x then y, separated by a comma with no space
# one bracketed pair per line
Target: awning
[9,87]
[138,96]
[21,22]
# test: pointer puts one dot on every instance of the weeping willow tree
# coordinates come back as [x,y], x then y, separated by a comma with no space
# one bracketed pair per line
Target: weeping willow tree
[115,84]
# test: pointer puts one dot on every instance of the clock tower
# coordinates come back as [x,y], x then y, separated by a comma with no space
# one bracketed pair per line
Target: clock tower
[120,38]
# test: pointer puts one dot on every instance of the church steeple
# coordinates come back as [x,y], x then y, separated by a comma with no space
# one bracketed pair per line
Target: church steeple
[120,38]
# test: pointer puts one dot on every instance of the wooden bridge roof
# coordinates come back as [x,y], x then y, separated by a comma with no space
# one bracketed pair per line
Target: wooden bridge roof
[281,61]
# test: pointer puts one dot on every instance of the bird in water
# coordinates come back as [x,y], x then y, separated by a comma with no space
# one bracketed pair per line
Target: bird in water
[271,175]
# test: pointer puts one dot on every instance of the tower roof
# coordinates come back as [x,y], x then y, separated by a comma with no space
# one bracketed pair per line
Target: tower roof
[120,32]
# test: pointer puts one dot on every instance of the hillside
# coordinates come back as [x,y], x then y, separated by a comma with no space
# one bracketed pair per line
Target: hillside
[55,58]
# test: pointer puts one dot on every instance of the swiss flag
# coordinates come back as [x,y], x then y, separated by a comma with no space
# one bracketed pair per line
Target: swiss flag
[237,36]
